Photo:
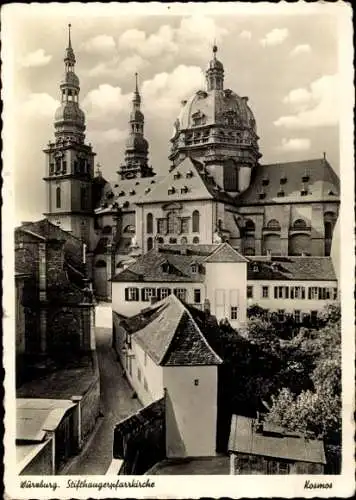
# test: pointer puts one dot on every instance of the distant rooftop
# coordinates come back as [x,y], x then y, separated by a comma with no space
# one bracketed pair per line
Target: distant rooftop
[218,465]
[273,441]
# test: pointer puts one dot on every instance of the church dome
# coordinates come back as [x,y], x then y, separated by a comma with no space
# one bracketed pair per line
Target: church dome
[216,107]
[137,142]
[70,78]
[69,111]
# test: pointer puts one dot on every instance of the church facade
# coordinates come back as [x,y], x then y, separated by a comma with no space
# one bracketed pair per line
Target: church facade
[214,189]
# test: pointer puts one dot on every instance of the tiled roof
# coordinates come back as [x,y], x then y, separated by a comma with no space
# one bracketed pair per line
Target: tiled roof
[125,193]
[225,253]
[186,182]
[149,267]
[291,268]
[322,184]
[168,333]
[285,445]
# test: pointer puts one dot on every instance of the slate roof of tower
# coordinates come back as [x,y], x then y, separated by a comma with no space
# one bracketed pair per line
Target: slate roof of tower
[225,253]
[168,333]
[291,268]
[323,184]
[148,267]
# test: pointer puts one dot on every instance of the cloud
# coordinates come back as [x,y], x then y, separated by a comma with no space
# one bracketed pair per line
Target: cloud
[39,105]
[118,67]
[194,33]
[35,59]
[319,105]
[163,94]
[294,144]
[105,101]
[274,37]
[246,35]
[100,44]
[149,46]
[301,49]
[112,135]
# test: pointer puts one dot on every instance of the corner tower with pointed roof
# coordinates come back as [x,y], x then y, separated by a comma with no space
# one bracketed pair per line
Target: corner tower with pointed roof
[136,153]
[69,160]
[217,127]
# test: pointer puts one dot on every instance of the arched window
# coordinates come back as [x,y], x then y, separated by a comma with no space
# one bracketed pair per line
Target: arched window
[149,243]
[328,227]
[249,225]
[195,240]
[83,198]
[183,240]
[273,224]
[149,223]
[58,197]
[195,219]
[100,263]
[170,222]
[299,224]
[172,241]
[129,229]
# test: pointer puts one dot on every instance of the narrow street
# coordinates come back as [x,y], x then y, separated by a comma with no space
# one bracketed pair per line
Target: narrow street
[116,403]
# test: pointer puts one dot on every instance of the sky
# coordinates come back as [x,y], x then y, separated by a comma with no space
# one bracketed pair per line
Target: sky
[287,64]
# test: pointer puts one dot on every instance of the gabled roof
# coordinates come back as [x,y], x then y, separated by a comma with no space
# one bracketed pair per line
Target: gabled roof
[168,333]
[291,268]
[225,253]
[269,443]
[148,267]
[186,182]
[323,184]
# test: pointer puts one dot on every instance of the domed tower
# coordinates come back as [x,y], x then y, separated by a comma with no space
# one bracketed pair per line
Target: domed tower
[69,161]
[217,127]
[136,153]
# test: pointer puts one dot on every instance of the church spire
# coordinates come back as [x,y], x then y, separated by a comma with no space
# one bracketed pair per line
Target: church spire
[215,72]
[69,118]
[136,152]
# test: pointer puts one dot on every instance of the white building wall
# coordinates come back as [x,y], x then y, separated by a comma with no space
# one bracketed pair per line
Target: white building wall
[129,308]
[225,288]
[301,211]
[191,410]
[289,305]
[145,376]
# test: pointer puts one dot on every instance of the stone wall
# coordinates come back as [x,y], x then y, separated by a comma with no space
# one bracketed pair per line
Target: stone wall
[139,440]
[90,405]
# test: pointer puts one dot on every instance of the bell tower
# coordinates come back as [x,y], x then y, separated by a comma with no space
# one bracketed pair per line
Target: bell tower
[136,153]
[69,160]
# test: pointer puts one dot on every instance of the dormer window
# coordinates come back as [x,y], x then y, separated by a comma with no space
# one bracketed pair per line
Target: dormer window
[304,192]
[132,192]
[122,193]
[265,181]
[189,174]
[177,175]
[116,185]
[194,267]
[283,179]
[147,190]
[171,190]
[153,181]
[184,190]
[165,266]
[331,193]
[280,194]
[198,119]
[306,177]
[262,195]
[126,204]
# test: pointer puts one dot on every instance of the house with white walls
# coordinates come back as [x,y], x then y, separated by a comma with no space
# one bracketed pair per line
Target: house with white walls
[197,274]
[295,285]
[165,354]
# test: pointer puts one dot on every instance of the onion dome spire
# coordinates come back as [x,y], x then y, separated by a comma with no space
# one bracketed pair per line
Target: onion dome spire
[69,118]
[215,72]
